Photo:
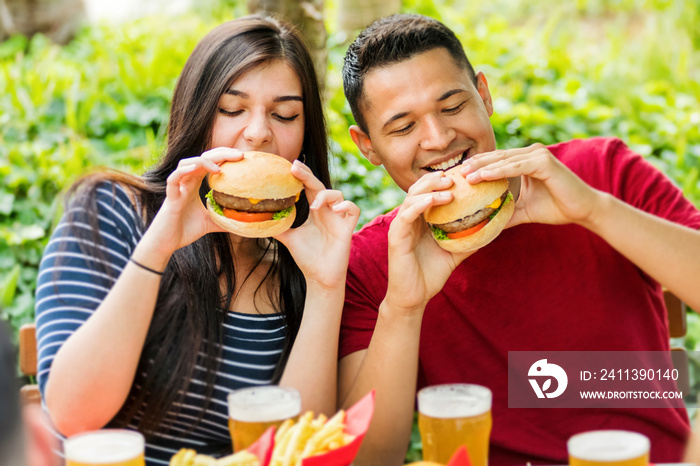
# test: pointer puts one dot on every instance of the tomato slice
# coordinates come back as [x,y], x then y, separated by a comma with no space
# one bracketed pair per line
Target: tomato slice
[247,216]
[468,231]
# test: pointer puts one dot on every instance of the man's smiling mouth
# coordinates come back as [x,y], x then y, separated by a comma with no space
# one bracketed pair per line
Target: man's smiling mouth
[446,165]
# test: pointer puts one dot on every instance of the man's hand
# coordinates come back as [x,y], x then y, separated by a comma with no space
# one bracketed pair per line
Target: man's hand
[549,192]
[418,267]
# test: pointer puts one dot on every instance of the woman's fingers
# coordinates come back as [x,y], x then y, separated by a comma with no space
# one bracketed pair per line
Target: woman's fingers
[347,207]
[327,196]
[219,155]
[312,185]
[188,175]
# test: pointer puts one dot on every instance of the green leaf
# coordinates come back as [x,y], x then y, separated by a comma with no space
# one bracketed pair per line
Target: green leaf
[282,213]
[214,205]
[8,287]
[6,202]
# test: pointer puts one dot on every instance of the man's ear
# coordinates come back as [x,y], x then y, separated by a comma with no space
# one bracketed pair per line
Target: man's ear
[483,87]
[364,143]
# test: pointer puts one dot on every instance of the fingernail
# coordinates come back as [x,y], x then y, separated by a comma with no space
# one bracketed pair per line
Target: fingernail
[315,204]
[444,195]
[472,176]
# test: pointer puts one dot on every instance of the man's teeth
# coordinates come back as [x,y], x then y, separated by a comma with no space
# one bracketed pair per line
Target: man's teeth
[449,163]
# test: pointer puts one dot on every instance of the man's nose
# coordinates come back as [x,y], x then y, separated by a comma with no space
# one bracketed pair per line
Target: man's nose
[436,134]
[257,132]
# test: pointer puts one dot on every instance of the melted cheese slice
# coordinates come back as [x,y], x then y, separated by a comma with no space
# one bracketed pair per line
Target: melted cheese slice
[495,204]
[255,201]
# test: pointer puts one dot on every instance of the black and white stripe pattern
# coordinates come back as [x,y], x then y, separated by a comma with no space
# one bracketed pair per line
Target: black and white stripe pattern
[69,292]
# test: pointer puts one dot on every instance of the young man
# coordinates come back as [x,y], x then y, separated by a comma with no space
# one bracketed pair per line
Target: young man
[595,230]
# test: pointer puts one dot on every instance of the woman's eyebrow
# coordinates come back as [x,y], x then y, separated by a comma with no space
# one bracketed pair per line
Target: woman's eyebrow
[281,98]
[288,98]
[237,93]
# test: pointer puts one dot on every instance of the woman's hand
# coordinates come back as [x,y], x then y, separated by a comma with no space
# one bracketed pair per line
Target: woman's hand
[321,246]
[183,219]
[549,192]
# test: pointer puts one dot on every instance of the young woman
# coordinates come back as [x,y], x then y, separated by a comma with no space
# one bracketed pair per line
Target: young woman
[148,315]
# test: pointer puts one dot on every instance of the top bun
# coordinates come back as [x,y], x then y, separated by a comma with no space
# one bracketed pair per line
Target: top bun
[468,198]
[258,175]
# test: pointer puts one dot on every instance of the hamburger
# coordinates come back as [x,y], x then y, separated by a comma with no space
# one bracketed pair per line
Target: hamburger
[475,216]
[254,197]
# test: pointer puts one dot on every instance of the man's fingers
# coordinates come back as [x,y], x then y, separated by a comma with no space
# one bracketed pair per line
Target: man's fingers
[429,183]
[487,158]
[513,167]
[409,213]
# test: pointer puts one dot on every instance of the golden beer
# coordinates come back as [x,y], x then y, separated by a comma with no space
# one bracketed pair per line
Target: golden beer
[252,411]
[608,448]
[107,447]
[450,416]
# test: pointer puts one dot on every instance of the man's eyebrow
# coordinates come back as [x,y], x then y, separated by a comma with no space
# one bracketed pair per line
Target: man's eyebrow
[398,116]
[282,98]
[449,94]
[444,96]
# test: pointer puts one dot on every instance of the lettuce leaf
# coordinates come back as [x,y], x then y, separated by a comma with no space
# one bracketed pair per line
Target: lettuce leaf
[214,205]
[438,233]
[282,213]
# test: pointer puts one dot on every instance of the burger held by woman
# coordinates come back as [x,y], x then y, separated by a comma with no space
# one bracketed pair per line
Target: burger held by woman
[149,312]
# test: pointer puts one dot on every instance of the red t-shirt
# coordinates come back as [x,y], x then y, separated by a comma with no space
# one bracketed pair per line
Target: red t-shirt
[539,287]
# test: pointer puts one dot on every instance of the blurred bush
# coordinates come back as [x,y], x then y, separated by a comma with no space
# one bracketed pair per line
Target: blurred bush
[625,68]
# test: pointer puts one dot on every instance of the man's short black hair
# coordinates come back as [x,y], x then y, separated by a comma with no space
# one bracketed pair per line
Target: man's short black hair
[391,40]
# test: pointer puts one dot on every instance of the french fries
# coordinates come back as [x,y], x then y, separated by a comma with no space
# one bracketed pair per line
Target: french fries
[294,441]
[186,457]
[308,437]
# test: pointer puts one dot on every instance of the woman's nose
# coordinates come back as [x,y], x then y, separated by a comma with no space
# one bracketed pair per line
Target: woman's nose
[257,132]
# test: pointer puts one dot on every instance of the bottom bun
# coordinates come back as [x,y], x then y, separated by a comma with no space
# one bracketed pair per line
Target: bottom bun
[253,229]
[482,237]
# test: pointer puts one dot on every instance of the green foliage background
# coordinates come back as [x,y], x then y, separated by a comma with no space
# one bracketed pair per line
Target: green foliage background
[557,70]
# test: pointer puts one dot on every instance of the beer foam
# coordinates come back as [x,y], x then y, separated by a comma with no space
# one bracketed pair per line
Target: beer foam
[608,445]
[454,400]
[264,404]
[104,446]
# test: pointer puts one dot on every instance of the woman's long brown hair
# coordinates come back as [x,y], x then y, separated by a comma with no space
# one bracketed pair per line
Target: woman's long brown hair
[191,307]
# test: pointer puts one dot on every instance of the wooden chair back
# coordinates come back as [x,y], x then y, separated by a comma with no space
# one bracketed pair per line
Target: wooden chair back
[28,363]
[677,328]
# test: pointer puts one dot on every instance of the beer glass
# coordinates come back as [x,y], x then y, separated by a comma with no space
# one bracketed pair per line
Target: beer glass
[107,447]
[251,411]
[453,415]
[608,448]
